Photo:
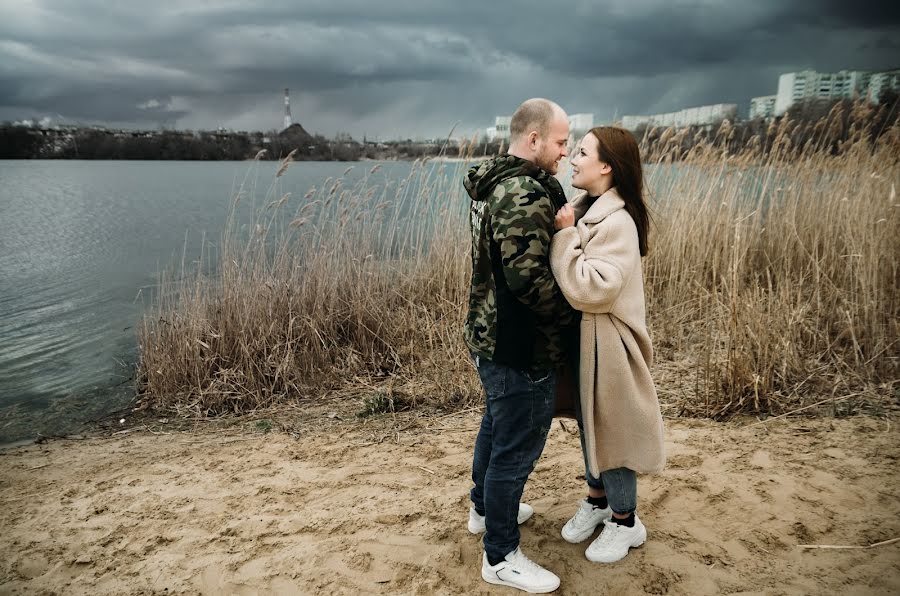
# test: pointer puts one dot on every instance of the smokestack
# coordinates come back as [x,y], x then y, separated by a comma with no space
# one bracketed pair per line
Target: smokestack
[287,108]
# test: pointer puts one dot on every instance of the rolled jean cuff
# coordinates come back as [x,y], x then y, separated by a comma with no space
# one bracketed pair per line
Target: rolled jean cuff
[620,485]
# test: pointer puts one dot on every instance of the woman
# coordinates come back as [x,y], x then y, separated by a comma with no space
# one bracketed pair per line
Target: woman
[597,263]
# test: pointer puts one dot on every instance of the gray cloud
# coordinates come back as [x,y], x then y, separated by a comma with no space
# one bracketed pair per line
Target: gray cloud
[405,68]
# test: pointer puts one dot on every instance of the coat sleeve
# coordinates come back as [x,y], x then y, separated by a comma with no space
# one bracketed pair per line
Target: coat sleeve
[591,277]
[522,228]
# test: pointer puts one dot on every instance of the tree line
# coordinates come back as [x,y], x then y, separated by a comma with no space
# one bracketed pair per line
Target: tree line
[19,142]
[812,121]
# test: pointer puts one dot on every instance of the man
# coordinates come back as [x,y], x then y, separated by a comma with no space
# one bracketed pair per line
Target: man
[515,326]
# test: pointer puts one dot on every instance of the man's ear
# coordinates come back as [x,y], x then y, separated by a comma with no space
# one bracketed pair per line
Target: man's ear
[533,139]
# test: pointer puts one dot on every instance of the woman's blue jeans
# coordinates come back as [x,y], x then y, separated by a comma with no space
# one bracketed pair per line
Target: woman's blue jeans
[620,484]
[517,416]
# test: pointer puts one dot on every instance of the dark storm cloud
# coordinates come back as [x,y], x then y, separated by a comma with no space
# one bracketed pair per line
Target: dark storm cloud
[648,39]
[842,14]
[402,67]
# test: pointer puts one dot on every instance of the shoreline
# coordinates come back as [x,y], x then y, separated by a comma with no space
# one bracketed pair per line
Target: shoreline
[316,500]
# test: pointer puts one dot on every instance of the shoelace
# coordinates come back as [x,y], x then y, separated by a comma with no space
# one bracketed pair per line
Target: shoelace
[582,516]
[523,562]
[609,533]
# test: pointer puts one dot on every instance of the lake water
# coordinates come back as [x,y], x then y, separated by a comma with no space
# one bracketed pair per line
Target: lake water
[81,243]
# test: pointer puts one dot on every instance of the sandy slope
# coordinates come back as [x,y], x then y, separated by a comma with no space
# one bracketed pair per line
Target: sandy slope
[337,507]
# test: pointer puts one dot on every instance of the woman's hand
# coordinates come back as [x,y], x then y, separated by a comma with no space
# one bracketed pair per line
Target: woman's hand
[565,217]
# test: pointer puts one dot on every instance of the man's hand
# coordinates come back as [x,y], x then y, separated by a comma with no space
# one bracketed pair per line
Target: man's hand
[565,217]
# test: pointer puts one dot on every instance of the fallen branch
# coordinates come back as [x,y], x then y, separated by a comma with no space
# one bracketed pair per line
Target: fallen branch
[842,546]
[127,430]
[155,432]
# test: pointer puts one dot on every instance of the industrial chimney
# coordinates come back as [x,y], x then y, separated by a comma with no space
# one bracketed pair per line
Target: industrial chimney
[287,109]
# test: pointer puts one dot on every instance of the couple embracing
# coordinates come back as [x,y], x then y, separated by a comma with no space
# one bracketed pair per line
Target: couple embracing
[554,285]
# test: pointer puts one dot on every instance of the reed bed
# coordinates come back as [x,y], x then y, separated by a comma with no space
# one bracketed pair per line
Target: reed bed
[771,283]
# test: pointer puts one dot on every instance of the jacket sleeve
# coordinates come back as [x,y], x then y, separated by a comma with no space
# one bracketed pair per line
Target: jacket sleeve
[522,224]
[592,277]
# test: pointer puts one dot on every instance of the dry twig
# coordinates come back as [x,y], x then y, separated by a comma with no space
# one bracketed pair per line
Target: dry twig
[849,546]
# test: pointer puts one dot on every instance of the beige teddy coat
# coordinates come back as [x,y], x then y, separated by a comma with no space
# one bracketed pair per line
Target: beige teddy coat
[597,264]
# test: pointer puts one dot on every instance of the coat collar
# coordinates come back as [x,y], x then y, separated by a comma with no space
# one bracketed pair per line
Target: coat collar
[601,208]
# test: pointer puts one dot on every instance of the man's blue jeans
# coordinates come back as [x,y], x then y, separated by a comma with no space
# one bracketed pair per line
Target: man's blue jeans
[517,415]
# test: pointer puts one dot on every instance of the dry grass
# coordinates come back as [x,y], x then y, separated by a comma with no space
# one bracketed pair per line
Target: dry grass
[361,287]
[772,283]
[776,275]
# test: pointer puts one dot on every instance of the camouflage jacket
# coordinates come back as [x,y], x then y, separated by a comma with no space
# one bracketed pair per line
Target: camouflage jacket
[517,314]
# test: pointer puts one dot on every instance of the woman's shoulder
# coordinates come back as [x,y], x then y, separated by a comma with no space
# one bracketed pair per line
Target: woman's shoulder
[620,222]
[621,217]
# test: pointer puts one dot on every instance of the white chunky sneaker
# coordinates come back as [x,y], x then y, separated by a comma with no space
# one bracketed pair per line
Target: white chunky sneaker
[518,571]
[476,522]
[614,541]
[580,527]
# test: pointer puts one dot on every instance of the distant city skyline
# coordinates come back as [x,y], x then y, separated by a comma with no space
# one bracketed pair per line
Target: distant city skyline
[406,69]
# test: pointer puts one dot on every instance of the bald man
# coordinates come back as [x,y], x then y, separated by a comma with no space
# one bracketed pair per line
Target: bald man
[515,330]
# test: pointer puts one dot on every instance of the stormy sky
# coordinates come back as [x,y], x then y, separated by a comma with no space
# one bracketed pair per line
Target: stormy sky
[410,68]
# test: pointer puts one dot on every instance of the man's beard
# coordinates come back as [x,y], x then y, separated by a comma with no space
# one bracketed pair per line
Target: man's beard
[547,162]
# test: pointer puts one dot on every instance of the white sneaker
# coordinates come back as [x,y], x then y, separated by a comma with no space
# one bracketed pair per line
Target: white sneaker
[614,541]
[518,571]
[580,527]
[476,522]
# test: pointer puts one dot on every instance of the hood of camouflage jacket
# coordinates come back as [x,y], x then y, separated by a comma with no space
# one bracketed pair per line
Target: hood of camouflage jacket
[482,178]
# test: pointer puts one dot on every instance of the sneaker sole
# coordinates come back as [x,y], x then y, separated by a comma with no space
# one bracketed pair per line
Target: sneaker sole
[493,579]
[580,537]
[639,542]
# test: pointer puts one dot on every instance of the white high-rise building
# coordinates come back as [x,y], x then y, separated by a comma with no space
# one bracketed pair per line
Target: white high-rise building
[698,116]
[635,122]
[809,84]
[579,124]
[879,81]
[762,107]
[501,127]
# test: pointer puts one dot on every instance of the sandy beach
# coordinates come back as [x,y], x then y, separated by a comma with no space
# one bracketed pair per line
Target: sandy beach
[327,504]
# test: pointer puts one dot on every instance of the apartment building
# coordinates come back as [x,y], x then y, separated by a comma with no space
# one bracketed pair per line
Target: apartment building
[762,107]
[809,84]
[698,116]
[880,81]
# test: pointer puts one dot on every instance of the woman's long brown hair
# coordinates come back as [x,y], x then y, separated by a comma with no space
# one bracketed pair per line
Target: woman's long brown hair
[618,148]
